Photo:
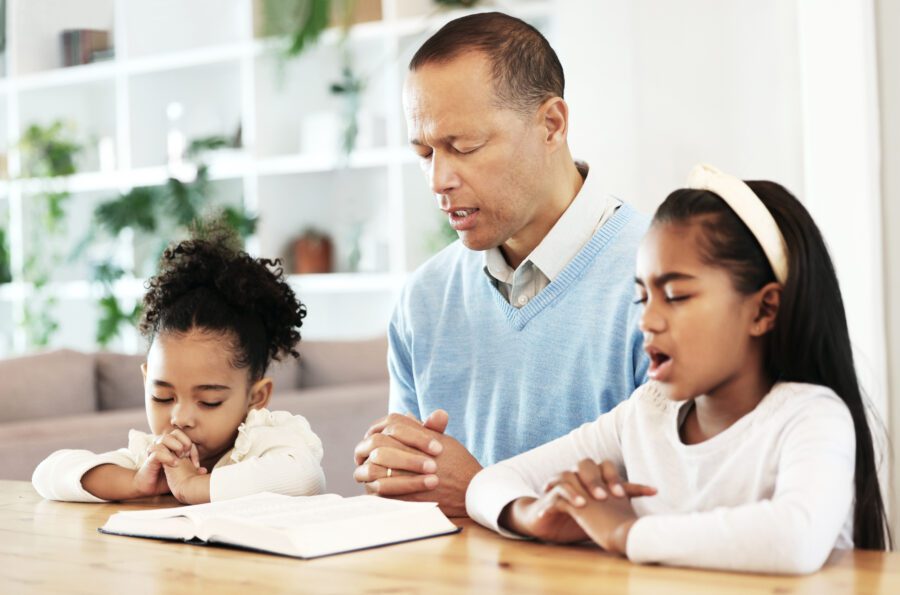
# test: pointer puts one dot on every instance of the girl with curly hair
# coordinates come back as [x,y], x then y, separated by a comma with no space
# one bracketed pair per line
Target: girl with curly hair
[214,318]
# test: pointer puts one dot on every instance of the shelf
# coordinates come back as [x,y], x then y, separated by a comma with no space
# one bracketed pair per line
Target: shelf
[345,283]
[134,288]
[233,167]
[231,51]
[306,163]
[71,75]
[74,290]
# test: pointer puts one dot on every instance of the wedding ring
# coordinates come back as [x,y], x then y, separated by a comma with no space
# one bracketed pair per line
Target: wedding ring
[390,472]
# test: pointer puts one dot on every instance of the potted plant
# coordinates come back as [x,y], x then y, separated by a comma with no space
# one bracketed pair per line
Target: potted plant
[312,252]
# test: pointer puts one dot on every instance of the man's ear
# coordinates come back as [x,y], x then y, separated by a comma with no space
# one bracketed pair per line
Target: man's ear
[768,301]
[260,393]
[554,118]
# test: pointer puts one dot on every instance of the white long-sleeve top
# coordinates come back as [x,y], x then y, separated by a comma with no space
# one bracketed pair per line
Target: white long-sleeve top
[274,451]
[772,493]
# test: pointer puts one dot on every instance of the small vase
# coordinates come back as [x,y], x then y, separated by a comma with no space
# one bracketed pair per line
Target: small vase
[312,254]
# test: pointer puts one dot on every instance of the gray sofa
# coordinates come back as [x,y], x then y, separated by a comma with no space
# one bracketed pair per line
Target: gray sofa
[68,399]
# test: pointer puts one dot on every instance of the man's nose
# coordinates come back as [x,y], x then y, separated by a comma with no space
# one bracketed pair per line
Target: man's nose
[442,174]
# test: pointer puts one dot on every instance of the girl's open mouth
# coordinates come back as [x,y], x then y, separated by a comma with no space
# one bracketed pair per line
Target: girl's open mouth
[660,364]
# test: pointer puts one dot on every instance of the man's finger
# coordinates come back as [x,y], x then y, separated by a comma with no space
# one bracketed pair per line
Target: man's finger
[393,418]
[398,459]
[437,421]
[415,437]
[400,486]
[369,472]
[364,449]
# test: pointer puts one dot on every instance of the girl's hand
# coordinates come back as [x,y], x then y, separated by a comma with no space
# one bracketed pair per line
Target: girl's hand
[180,445]
[599,502]
[541,518]
[598,481]
[149,479]
[167,450]
[188,482]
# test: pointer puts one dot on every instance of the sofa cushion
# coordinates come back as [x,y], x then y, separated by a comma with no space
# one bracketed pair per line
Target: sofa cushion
[24,444]
[120,384]
[47,384]
[285,374]
[342,362]
[340,416]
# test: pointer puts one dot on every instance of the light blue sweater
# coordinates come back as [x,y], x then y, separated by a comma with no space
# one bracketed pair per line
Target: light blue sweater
[512,379]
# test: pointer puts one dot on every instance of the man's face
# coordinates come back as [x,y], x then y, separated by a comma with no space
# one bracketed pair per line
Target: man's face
[484,162]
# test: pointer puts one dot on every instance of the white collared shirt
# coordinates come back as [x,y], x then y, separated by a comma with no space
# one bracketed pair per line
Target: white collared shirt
[589,210]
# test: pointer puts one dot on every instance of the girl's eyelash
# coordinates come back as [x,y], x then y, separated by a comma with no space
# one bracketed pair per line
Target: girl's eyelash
[160,399]
[210,405]
[677,298]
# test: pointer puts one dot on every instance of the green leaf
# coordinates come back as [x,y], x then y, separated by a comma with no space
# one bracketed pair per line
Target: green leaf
[135,209]
[47,151]
[111,316]
[208,143]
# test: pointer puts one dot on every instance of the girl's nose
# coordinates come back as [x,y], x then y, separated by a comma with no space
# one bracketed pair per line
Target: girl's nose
[651,320]
[182,416]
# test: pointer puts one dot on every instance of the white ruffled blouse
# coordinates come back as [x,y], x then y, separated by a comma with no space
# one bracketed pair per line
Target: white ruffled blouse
[275,451]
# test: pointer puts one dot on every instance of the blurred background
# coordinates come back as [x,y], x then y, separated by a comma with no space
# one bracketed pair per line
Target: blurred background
[123,123]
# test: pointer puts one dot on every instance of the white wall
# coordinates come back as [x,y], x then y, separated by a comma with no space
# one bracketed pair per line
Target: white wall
[888,34]
[656,86]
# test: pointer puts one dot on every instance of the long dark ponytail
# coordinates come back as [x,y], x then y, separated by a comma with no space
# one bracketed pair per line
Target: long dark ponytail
[810,342]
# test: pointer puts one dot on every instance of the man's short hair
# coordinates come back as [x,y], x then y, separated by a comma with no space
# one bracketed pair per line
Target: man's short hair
[525,69]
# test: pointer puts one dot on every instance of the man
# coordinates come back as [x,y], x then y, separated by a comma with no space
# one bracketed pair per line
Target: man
[526,328]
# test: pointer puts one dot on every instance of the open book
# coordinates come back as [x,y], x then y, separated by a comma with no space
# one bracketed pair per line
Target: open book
[303,526]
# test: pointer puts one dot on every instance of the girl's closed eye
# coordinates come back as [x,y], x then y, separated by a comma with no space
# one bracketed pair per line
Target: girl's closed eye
[211,404]
[161,399]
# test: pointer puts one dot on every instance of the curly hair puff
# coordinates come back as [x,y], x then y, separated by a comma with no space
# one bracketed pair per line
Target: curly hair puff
[204,284]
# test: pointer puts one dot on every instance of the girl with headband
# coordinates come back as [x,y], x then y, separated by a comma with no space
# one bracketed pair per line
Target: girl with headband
[749,448]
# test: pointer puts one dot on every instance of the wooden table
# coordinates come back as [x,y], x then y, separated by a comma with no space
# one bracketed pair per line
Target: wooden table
[54,547]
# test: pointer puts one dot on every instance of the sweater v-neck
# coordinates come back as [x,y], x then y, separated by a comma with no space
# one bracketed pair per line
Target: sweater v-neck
[518,318]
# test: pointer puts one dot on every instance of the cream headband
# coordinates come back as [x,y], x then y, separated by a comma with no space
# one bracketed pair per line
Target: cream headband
[747,206]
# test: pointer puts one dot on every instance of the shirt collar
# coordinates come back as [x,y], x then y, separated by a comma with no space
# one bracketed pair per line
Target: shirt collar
[565,239]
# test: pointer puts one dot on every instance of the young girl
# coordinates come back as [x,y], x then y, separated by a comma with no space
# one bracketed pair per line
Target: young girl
[214,319]
[752,430]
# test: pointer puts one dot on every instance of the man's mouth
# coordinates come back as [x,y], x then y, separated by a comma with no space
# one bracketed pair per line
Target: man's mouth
[462,219]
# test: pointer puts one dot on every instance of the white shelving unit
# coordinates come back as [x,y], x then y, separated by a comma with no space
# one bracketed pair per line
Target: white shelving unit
[205,54]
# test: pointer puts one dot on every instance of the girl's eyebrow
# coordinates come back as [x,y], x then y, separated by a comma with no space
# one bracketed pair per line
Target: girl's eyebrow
[214,387]
[666,278]
[199,387]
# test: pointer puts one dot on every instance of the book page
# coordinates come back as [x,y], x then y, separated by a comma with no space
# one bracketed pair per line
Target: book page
[256,505]
[315,511]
